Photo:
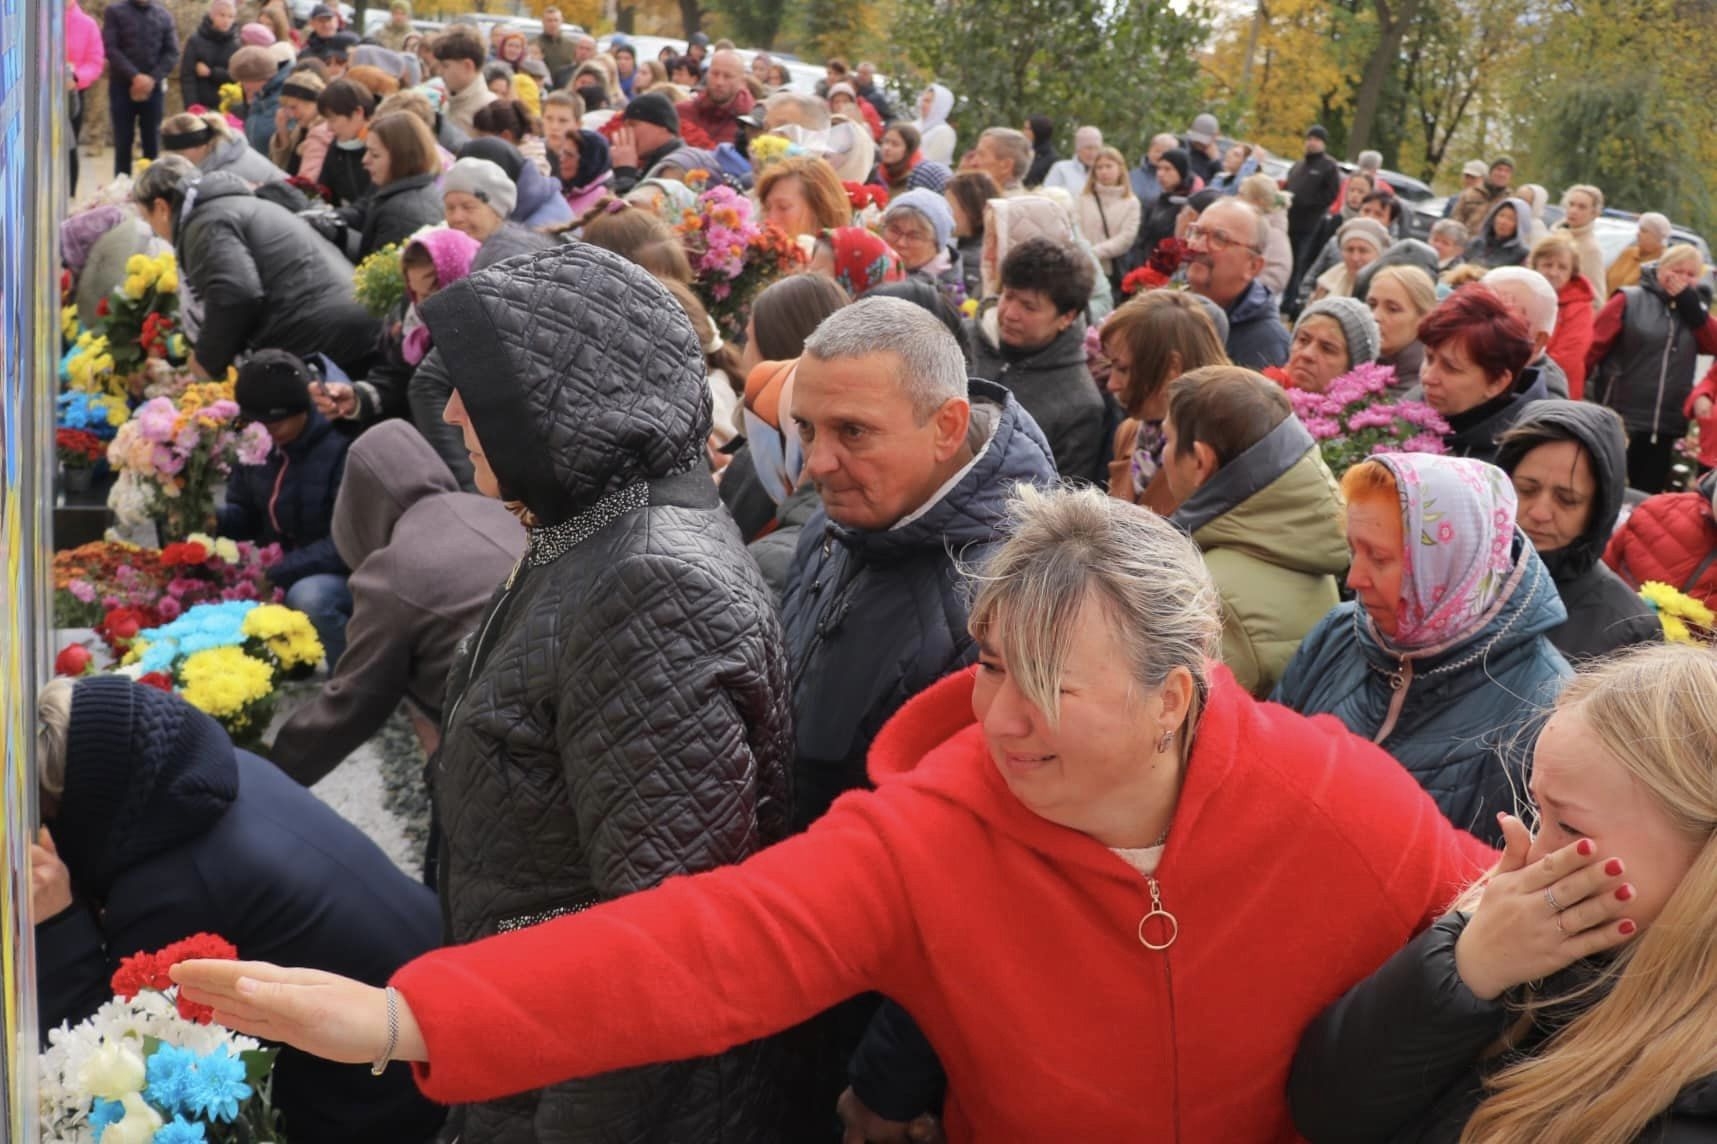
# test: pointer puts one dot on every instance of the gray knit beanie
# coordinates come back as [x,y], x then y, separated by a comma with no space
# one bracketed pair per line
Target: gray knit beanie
[483,181]
[1358,327]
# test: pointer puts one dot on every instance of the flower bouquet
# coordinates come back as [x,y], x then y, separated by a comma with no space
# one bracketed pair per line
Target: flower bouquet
[733,256]
[171,454]
[78,449]
[1159,269]
[150,291]
[99,414]
[232,96]
[1684,619]
[89,367]
[1351,421]
[94,578]
[149,1068]
[379,280]
[226,659]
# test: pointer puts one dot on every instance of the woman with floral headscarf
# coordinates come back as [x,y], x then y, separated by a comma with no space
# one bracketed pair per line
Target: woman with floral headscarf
[856,258]
[1442,659]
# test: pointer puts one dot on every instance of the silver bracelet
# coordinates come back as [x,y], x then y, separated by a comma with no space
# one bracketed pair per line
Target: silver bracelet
[382,1061]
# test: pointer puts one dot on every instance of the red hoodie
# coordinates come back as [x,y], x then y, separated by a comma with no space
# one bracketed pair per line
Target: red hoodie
[1300,858]
[1573,336]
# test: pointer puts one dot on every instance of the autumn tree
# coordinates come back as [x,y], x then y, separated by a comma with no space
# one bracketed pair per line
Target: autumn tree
[1293,64]
[1124,67]
[1460,57]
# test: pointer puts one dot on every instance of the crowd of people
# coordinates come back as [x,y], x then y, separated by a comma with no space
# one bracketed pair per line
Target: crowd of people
[768,681]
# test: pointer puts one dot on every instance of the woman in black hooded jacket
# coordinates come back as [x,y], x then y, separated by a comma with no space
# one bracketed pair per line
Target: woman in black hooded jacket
[622,714]
[1568,461]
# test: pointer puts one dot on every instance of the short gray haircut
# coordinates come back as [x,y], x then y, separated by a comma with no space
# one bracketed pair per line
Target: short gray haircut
[1012,145]
[165,178]
[1070,546]
[1370,161]
[932,367]
[1542,304]
[1588,189]
[1656,223]
[1260,223]
[53,726]
[814,111]
[1450,229]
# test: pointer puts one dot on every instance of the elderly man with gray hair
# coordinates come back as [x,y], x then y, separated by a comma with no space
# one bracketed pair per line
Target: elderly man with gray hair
[1648,246]
[1004,155]
[1071,175]
[1530,295]
[913,463]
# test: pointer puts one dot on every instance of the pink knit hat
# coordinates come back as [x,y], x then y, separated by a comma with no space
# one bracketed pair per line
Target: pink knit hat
[256,35]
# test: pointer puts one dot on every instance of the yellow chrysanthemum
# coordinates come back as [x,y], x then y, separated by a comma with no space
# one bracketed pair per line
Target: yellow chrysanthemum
[138,263]
[286,633]
[69,323]
[135,287]
[226,683]
[117,413]
[226,550]
[138,647]
[1676,611]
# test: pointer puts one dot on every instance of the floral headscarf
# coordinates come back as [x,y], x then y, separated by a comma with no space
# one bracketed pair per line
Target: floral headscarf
[1457,520]
[862,259]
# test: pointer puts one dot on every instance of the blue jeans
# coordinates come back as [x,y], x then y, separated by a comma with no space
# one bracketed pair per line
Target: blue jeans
[324,598]
[131,120]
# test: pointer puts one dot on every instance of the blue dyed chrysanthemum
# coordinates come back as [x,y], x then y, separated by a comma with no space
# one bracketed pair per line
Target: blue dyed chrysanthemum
[219,1086]
[181,1131]
[171,1072]
[103,1113]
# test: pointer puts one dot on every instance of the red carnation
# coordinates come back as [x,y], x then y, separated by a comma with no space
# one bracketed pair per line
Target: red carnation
[159,680]
[138,972]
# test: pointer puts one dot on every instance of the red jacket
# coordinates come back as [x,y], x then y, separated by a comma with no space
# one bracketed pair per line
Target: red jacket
[1707,387]
[718,121]
[1300,858]
[1671,537]
[1573,336]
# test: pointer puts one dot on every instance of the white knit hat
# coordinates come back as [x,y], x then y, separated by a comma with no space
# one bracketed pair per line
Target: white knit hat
[484,181]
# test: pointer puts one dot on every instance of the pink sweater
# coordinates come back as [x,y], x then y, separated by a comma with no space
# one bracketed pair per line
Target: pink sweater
[83,46]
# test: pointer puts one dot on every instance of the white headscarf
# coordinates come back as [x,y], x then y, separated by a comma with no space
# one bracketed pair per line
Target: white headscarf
[940,107]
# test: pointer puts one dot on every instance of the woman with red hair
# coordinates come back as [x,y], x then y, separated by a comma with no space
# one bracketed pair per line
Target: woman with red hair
[1475,350]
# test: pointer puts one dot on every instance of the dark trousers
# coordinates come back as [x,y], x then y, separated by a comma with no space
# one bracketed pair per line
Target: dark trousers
[1648,463]
[133,121]
[74,109]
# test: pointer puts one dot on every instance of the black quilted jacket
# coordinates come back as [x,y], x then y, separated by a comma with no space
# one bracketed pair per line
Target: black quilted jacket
[621,715]
[873,618]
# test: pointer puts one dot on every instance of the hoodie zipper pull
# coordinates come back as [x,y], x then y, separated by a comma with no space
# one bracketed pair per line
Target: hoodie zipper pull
[1167,926]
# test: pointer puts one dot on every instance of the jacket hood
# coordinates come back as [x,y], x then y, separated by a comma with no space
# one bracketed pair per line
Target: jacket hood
[226,153]
[1277,502]
[1254,302]
[145,772]
[212,186]
[1599,432]
[580,374]
[974,510]
[388,470]
[1578,291]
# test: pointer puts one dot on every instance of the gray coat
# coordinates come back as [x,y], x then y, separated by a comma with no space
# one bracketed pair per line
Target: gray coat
[241,159]
[562,779]
[425,560]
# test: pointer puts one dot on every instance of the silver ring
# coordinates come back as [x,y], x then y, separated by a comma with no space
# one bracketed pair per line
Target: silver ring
[1550,896]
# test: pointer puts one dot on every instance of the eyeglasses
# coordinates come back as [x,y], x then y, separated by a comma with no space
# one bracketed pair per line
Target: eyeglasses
[896,233]
[1216,240]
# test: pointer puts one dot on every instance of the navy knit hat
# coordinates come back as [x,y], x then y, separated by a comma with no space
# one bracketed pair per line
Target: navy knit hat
[653,107]
[145,771]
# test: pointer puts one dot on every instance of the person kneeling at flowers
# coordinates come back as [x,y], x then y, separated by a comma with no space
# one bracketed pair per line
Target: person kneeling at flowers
[425,560]
[289,498]
[1442,660]
[1126,795]
[1332,336]
[1254,494]
[158,828]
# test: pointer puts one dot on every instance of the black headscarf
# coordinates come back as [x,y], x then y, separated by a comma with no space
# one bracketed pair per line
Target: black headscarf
[593,161]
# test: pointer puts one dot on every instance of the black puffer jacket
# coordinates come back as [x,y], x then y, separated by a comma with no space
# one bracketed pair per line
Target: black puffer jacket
[1604,614]
[265,280]
[1401,1058]
[1055,387]
[873,618]
[207,46]
[289,499]
[622,713]
[391,213]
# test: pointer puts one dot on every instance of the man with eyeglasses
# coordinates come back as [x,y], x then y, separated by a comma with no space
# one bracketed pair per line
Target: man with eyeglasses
[1225,256]
[289,498]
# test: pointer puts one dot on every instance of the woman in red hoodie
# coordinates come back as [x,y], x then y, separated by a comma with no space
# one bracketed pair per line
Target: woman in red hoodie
[1110,886]
[1557,258]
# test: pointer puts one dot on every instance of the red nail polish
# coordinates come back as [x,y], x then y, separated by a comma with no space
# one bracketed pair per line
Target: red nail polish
[1627,928]
[1585,848]
[1624,893]
[1613,867]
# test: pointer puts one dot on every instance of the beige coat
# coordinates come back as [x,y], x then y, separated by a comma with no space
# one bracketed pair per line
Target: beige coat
[1110,221]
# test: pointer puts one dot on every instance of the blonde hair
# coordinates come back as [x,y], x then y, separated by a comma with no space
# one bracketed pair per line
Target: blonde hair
[1679,254]
[53,725]
[1648,1034]
[1262,192]
[1415,282]
[1120,160]
[1556,242]
[184,123]
[1068,547]
[1463,275]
